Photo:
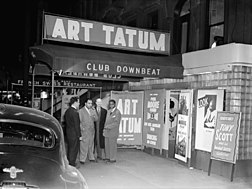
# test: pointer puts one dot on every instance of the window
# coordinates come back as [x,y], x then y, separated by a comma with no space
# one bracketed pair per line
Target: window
[184,17]
[181,27]
[216,22]
[185,9]
[13,133]
[153,20]
[132,23]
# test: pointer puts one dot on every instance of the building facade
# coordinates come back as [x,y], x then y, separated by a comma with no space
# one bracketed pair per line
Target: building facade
[214,38]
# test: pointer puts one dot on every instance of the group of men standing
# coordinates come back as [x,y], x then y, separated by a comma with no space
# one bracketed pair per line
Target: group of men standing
[92,131]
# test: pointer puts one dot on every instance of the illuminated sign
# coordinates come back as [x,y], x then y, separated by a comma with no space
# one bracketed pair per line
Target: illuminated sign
[93,33]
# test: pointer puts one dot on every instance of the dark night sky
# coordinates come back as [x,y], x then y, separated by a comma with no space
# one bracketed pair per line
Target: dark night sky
[14,29]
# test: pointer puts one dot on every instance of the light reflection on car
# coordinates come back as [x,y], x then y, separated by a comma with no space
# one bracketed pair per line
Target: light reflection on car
[32,151]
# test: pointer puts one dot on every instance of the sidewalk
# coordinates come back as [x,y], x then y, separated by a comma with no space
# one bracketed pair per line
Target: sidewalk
[135,169]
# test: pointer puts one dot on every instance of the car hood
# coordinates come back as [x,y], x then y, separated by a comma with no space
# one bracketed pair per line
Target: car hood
[34,170]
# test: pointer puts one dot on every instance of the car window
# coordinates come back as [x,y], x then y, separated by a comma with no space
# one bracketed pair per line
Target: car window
[14,133]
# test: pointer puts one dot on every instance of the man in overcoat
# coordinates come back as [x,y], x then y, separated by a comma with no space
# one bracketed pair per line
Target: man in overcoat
[73,134]
[99,125]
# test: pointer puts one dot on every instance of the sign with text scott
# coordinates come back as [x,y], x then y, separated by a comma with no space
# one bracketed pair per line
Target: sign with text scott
[130,105]
[208,103]
[183,129]
[226,135]
[88,32]
[153,118]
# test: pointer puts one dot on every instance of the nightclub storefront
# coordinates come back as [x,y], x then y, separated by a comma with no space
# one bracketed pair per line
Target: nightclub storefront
[93,58]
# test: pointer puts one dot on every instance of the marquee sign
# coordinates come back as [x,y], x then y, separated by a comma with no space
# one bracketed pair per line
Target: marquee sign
[93,33]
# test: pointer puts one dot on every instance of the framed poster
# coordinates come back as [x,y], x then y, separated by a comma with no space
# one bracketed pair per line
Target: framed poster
[130,105]
[225,140]
[208,103]
[170,118]
[183,133]
[153,118]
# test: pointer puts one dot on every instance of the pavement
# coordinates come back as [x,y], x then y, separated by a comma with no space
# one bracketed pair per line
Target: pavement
[136,169]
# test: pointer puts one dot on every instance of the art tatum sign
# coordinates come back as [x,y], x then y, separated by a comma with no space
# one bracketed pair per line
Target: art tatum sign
[92,33]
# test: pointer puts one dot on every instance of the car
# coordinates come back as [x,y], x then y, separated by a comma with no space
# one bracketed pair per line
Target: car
[32,151]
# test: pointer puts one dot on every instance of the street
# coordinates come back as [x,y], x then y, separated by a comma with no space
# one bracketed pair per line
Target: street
[135,169]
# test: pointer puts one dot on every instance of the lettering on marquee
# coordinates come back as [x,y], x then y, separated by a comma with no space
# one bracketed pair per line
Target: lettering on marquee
[101,34]
[123,70]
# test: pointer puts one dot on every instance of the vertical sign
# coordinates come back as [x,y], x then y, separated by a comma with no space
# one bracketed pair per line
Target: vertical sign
[130,105]
[173,114]
[183,128]
[208,103]
[225,141]
[153,118]
[170,120]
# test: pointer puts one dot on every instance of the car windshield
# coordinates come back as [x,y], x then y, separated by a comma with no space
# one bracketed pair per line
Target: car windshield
[24,134]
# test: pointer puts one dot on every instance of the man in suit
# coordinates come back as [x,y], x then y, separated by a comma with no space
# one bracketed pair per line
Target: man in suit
[99,125]
[73,133]
[111,131]
[87,118]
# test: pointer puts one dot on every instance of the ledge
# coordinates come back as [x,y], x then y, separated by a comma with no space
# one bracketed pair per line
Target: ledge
[220,58]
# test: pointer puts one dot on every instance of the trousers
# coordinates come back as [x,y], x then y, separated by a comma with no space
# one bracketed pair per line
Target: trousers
[87,147]
[110,148]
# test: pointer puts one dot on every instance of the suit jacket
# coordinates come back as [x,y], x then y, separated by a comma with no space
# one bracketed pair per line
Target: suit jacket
[87,120]
[72,121]
[111,127]
[100,124]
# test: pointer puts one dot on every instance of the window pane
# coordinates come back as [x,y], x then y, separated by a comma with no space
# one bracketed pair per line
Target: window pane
[184,37]
[216,11]
[132,23]
[153,20]
[22,134]
[216,31]
[185,9]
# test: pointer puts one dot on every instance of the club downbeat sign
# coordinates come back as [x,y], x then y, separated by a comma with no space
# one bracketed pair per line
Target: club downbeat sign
[153,117]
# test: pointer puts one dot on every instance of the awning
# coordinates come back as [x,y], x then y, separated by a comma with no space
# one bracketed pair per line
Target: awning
[81,61]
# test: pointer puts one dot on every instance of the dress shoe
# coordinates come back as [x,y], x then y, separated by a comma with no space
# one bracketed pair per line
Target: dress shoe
[77,166]
[93,160]
[82,162]
[106,160]
[112,161]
